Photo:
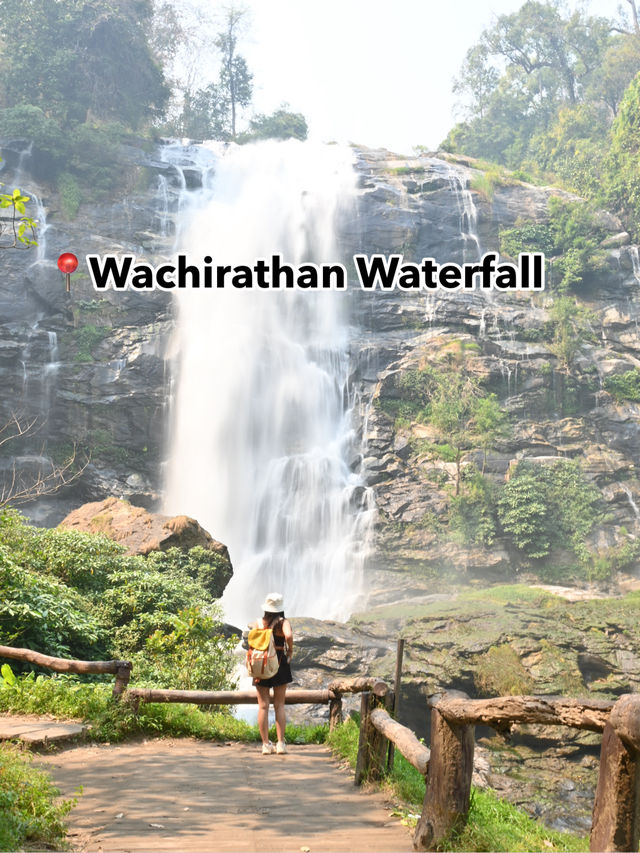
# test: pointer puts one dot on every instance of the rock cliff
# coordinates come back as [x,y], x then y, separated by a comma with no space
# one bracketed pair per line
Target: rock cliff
[92,367]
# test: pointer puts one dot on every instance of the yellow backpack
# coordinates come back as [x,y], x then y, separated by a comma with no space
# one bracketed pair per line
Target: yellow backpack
[262,657]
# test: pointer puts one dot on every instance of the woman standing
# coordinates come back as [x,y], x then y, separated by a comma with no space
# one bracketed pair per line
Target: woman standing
[273,617]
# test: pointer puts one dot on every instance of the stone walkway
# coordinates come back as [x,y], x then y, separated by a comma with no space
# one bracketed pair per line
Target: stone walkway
[38,730]
[188,795]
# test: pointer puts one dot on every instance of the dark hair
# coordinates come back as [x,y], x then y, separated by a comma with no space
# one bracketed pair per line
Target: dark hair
[270,618]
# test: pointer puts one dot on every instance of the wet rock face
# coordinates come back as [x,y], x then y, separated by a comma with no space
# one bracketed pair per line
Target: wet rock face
[90,367]
[423,208]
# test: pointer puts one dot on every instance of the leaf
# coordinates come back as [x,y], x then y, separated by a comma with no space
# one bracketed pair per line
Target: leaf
[7,674]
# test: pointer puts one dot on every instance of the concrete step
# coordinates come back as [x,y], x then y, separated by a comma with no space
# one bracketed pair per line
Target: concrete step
[38,731]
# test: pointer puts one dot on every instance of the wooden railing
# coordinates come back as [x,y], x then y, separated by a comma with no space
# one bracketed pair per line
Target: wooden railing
[331,695]
[120,668]
[447,765]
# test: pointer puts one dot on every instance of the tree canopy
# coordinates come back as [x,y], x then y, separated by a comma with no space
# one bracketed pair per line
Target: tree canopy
[552,92]
[81,59]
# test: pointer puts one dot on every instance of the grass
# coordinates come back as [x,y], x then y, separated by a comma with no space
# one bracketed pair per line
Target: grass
[67,697]
[493,824]
[30,814]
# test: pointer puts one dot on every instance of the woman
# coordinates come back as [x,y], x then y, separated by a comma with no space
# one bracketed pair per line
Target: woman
[273,617]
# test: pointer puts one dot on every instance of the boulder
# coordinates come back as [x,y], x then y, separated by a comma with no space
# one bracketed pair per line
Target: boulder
[141,531]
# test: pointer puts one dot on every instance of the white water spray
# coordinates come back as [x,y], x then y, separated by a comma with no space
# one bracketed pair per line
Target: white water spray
[263,420]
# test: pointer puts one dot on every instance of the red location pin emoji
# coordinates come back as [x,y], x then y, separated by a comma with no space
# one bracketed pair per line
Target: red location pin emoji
[67,263]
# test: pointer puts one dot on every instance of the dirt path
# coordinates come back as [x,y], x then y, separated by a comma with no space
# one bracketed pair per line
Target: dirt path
[192,795]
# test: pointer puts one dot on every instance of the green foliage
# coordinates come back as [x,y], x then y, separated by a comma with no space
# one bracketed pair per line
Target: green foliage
[86,339]
[211,112]
[79,57]
[571,329]
[281,124]
[78,595]
[21,230]
[472,513]
[140,601]
[555,93]
[41,613]
[486,182]
[70,194]
[530,237]
[624,386]
[623,162]
[192,656]
[78,74]
[211,570]
[571,237]
[499,672]
[31,816]
[543,507]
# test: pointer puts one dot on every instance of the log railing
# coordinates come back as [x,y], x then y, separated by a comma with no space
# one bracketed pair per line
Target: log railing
[448,764]
[120,668]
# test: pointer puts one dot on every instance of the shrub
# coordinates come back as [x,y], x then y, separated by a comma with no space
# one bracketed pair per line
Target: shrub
[624,386]
[192,656]
[499,672]
[30,813]
[547,506]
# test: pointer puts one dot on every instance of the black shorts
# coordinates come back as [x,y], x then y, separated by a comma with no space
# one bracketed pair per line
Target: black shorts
[282,676]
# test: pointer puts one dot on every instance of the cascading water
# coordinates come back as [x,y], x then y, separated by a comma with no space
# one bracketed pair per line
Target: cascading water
[635,261]
[263,416]
[468,217]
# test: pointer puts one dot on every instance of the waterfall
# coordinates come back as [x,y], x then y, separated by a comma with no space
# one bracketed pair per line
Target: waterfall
[635,261]
[263,424]
[468,216]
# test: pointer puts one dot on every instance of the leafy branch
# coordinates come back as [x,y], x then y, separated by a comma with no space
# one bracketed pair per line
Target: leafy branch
[17,230]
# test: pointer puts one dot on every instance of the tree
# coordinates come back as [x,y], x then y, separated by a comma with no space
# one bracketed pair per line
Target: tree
[17,487]
[235,79]
[281,124]
[211,112]
[623,160]
[571,329]
[522,70]
[464,415]
[81,58]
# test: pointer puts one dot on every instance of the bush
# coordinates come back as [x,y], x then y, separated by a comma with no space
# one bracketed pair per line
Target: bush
[624,386]
[192,656]
[30,813]
[472,511]
[548,506]
[78,595]
[41,613]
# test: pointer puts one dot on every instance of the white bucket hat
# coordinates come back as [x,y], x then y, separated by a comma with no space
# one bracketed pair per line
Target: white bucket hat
[273,603]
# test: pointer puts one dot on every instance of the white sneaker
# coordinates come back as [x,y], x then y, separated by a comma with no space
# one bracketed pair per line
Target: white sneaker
[281,748]
[268,748]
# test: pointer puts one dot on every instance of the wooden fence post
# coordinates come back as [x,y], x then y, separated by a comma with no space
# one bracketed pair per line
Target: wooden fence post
[397,683]
[372,743]
[446,800]
[616,811]
[335,711]
[123,675]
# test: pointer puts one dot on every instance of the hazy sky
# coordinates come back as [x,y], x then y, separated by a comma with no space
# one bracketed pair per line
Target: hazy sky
[366,71]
